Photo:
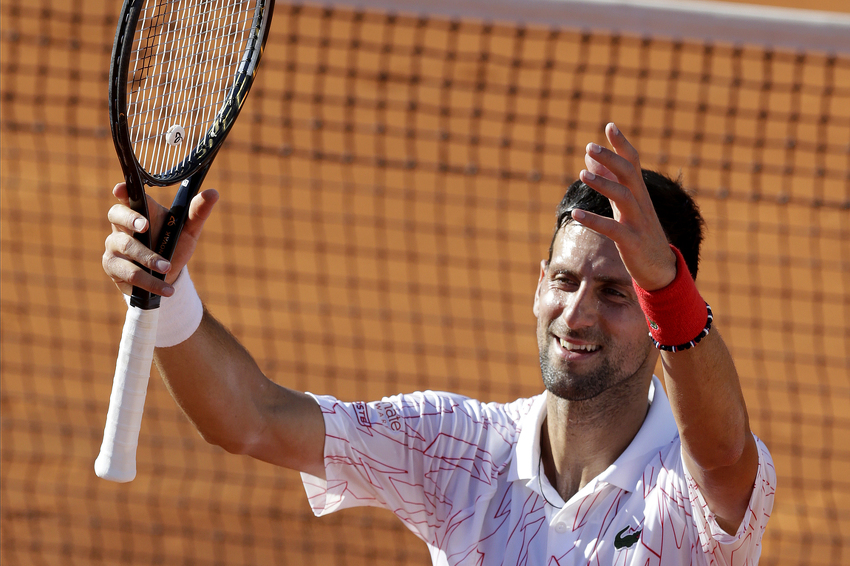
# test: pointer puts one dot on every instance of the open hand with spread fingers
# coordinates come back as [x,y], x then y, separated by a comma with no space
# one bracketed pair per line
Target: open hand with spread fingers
[635,229]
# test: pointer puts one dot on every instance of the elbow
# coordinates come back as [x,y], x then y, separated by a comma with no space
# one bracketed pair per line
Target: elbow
[720,442]
[724,453]
[226,440]
[231,446]
[728,454]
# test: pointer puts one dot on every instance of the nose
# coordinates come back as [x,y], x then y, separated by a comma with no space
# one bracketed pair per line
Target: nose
[580,308]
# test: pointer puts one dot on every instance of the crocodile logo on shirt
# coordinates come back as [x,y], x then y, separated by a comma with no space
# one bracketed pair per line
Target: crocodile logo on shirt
[623,540]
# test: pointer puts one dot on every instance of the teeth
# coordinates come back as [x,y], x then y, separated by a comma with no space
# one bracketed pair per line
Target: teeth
[578,347]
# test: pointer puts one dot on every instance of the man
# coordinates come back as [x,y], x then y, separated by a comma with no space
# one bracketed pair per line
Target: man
[600,469]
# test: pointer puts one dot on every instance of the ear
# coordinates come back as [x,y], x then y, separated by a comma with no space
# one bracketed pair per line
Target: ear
[536,307]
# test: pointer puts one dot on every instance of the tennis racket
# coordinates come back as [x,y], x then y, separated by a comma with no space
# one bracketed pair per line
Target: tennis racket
[180,72]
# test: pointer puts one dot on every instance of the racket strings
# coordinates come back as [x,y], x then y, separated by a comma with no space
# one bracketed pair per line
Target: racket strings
[156,32]
[189,64]
[189,88]
[184,58]
[185,80]
[169,47]
[137,81]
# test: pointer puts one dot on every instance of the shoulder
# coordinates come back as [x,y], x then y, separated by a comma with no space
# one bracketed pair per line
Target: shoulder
[463,413]
[430,422]
[428,405]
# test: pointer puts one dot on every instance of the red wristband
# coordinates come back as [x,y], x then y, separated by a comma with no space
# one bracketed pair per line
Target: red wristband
[677,315]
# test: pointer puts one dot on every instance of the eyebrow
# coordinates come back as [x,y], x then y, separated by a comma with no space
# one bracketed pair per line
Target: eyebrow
[625,282]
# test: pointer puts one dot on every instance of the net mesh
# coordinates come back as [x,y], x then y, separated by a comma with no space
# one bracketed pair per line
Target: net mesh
[387,196]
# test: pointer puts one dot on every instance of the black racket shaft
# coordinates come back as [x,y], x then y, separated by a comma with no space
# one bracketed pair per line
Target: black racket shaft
[169,234]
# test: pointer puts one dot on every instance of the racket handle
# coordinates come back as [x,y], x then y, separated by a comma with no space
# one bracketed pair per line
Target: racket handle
[117,459]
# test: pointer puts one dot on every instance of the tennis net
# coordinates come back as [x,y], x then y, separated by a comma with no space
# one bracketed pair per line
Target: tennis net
[387,196]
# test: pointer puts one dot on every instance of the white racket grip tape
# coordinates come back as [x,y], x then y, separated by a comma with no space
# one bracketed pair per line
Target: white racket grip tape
[180,314]
[117,459]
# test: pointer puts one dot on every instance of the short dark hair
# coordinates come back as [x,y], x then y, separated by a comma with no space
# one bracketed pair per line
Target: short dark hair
[676,209]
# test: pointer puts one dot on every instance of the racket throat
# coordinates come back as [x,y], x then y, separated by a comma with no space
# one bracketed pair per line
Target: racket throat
[179,213]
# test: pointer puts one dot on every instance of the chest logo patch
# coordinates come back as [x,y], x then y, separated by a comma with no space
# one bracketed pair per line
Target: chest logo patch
[623,540]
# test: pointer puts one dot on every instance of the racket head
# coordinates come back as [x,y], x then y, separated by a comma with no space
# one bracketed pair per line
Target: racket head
[180,73]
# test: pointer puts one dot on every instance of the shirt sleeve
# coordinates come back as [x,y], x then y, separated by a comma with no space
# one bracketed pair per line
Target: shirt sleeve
[424,456]
[744,547]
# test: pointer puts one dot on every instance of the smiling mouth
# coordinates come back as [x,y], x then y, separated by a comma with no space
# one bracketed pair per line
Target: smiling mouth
[570,347]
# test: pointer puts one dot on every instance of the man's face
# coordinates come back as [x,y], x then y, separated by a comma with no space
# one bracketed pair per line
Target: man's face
[591,331]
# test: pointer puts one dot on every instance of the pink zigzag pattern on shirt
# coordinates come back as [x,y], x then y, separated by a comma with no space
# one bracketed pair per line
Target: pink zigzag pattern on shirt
[665,501]
[422,501]
[447,463]
[533,519]
[469,464]
[763,484]
[610,515]
[502,512]
[479,467]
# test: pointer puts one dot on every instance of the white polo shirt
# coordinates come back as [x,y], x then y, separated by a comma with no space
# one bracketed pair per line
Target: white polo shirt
[463,476]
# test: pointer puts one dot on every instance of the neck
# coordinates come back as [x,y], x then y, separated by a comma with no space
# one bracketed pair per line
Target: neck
[580,439]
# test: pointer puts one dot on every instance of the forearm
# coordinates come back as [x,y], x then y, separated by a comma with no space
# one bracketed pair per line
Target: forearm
[707,401]
[210,375]
[223,392]
[708,405]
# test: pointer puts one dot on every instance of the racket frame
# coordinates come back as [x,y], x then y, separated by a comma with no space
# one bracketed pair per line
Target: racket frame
[191,171]
[117,458]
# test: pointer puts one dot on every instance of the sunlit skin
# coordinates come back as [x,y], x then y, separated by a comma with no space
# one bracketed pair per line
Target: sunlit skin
[585,297]
[598,396]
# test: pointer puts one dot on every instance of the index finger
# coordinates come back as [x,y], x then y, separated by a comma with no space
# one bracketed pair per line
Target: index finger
[627,152]
[623,162]
[124,218]
[621,145]
[121,216]
[120,192]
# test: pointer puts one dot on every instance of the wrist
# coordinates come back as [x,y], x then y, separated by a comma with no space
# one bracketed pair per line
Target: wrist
[180,314]
[677,316]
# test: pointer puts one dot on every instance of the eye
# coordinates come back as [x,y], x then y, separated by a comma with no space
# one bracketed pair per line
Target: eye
[612,292]
[563,280]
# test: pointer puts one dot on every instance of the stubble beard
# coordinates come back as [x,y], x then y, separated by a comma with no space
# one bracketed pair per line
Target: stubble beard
[566,383]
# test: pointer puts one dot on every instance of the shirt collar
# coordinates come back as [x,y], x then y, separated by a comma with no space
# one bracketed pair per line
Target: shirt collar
[658,429]
[527,448]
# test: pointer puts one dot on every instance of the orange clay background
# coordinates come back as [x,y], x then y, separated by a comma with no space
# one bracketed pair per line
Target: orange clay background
[378,234]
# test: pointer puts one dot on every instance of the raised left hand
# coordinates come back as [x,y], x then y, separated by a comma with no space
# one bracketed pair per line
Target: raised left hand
[635,228]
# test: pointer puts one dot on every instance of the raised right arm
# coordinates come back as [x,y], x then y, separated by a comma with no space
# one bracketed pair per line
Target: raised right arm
[213,378]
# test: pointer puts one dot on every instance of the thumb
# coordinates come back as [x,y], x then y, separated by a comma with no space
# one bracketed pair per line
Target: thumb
[199,211]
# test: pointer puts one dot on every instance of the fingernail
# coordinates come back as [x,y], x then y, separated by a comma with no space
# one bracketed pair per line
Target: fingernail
[594,148]
[167,291]
[162,265]
[578,215]
[614,129]
[588,175]
[139,224]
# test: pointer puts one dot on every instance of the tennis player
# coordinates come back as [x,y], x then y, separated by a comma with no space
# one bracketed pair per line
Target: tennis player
[603,467]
